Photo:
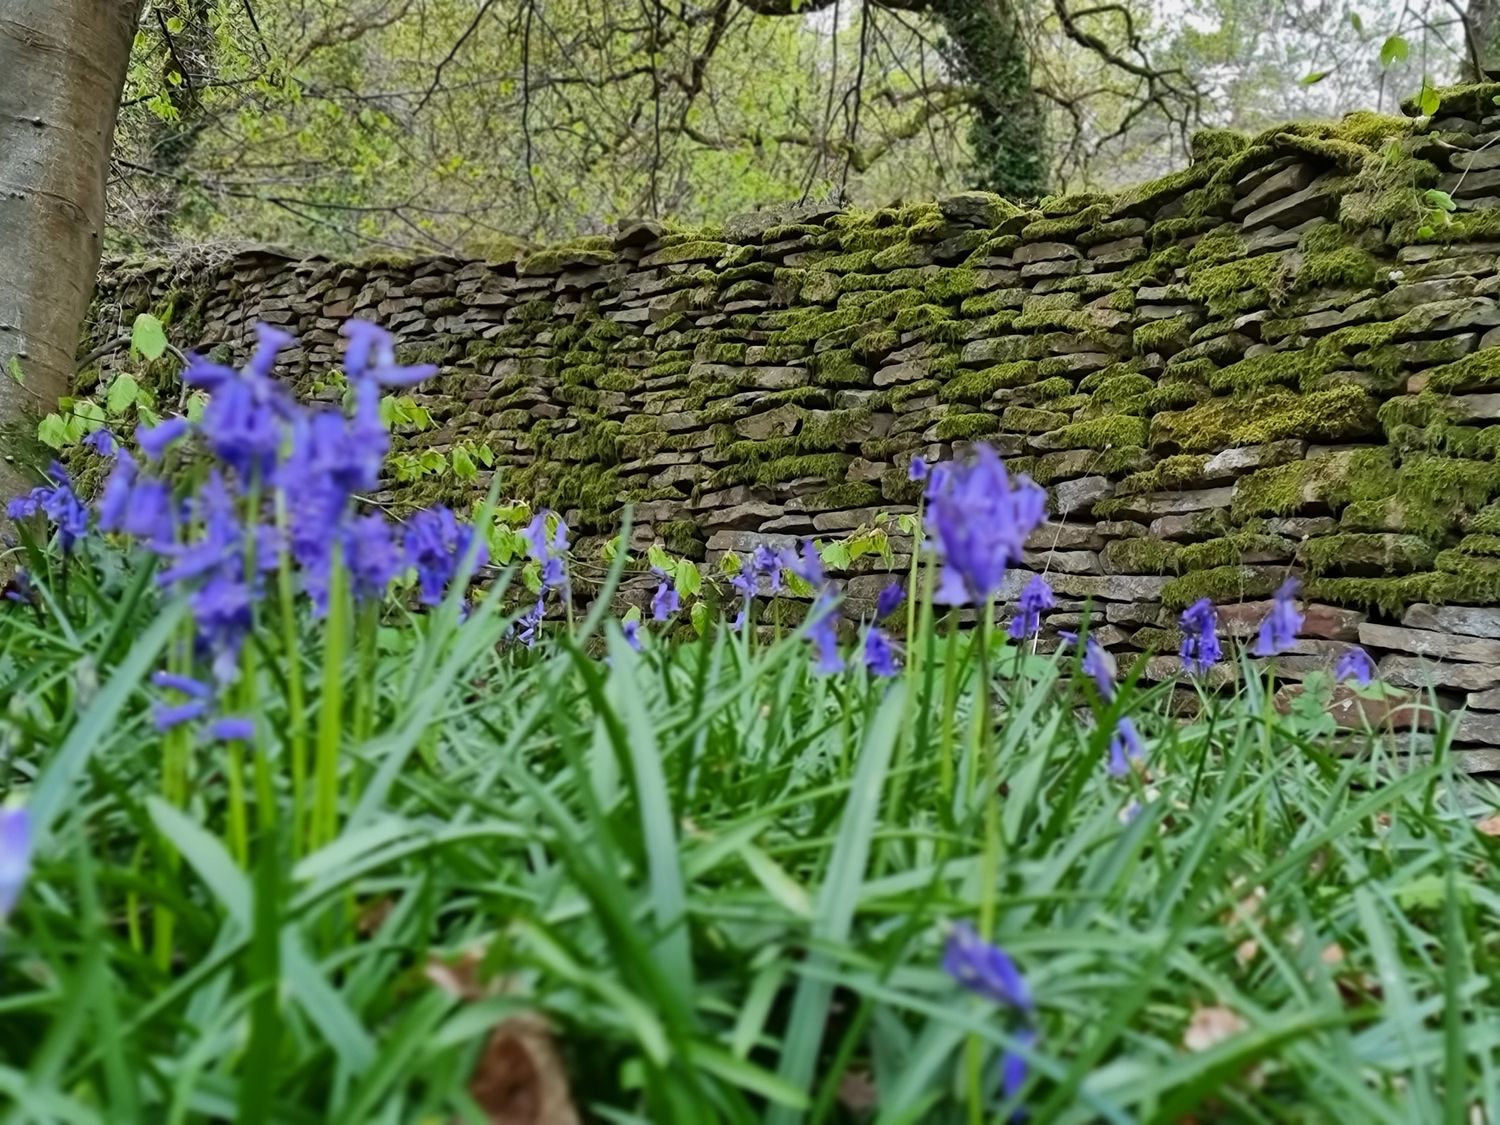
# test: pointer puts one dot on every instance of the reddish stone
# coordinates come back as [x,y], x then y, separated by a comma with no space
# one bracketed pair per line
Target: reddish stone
[1327,622]
[1392,710]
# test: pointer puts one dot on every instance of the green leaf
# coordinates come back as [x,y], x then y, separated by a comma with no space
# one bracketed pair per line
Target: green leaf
[1394,50]
[1439,200]
[52,432]
[14,367]
[1315,77]
[687,579]
[701,618]
[463,464]
[1429,102]
[1356,23]
[836,556]
[123,393]
[659,558]
[148,338]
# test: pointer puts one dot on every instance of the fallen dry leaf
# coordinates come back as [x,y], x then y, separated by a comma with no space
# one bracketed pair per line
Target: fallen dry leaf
[1210,1027]
[519,1079]
[460,976]
[857,1091]
[1490,825]
[1333,954]
[1246,951]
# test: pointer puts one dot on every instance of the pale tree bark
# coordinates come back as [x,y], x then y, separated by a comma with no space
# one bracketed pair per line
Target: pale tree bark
[62,68]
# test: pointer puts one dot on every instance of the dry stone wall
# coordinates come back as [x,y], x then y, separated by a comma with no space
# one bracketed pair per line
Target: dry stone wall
[1283,357]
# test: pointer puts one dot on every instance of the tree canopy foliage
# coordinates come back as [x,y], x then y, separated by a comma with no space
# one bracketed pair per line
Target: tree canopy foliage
[470,125]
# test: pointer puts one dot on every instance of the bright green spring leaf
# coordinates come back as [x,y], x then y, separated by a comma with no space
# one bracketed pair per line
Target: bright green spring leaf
[148,338]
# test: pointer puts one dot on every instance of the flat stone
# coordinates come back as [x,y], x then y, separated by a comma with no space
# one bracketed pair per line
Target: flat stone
[845,521]
[1232,462]
[745,516]
[893,373]
[1044,252]
[1484,700]
[983,209]
[1175,503]
[1158,669]
[1412,671]
[1482,727]
[1286,182]
[1442,646]
[1080,495]
[781,421]
[1120,529]
[1468,621]
[1053,536]
[743,542]
[1302,527]
[1110,588]
[1314,200]
[1134,613]
[1475,406]
[1185,526]
[1063,562]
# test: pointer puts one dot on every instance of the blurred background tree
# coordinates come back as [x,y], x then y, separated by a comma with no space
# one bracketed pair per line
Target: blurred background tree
[473,125]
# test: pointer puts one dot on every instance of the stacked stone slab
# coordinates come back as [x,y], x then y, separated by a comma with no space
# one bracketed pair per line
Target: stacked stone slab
[1282,358]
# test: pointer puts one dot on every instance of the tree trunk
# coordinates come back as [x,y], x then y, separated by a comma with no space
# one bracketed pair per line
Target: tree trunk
[62,69]
[1482,35]
[1008,134]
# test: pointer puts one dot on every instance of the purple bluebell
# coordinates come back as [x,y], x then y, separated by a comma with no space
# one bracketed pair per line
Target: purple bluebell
[187,685]
[19,589]
[232,728]
[1124,746]
[1036,597]
[1100,665]
[371,354]
[167,716]
[1355,665]
[1200,642]
[102,443]
[114,500]
[880,654]
[219,541]
[917,470]
[154,440]
[808,565]
[889,599]
[436,543]
[632,630]
[1278,632]
[823,634]
[985,969]
[666,600]
[548,550]
[743,580]
[529,625]
[59,503]
[978,519]
[15,856]
[767,563]
[151,515]
[372,556]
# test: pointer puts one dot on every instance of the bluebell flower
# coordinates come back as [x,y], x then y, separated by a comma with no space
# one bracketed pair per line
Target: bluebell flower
[219,541]
[767,563]
[823,633]
[1278,632]
[167,716]
[1200,643]
[102,443]
[548,550]
[435,545]
[1035,597]
[372,556]
[1096,663]
[880,654]
[232,728]
[187,685]
[632,630]
[917,470]
[19,588]
[889,599]
[114,500]
[222,612]
[1355,665]
[151,515]
[978,520]
[371,354]
[154,440]
[529,626]
[985,969]
[59,503]
[15,856]
[1125,746]
[666,600]
[808,565]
